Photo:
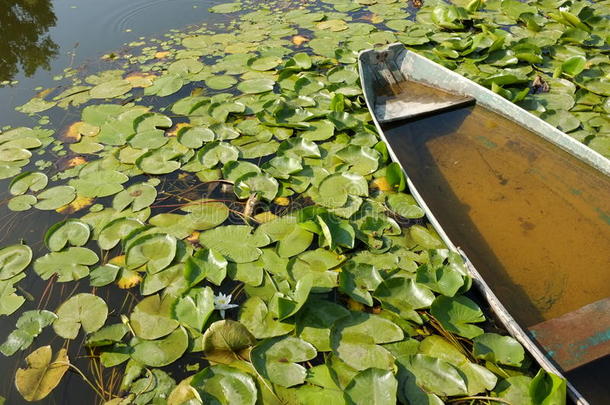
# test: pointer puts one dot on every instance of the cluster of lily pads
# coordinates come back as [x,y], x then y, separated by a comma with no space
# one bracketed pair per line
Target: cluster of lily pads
[284,197]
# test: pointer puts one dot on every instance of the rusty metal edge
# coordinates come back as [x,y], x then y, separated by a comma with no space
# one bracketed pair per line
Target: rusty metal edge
[513,328]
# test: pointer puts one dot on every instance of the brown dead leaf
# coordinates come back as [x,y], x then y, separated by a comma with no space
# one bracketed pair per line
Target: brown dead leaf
[141,79]
[173,131]
[193,238]
[128,279]
[78,204]
[298,40]
[382,184]
[162,54]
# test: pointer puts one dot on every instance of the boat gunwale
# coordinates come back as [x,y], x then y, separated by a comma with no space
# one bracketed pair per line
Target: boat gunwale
[555,136]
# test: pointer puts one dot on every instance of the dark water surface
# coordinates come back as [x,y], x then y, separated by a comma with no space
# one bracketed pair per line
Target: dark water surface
[38,40]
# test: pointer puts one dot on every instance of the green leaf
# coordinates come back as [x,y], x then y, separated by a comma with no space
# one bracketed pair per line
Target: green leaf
[227,341]
[111,89]
[150,318]
[107,335]
[275,359]
[548,389]
[86,310]
[22,202]
[457,315]
[372,386]
[225,385]
[28,181]
[29,325]
[217,152]
[70,231]
[355,340]
[315,320]
[284,305]
[43,373]
[70,264]
[264,63]
[261,184]
[55,197]
[235,242]
[99,183]
[357,279]
[206,263]
[13,260]
[498,349]
[220,82]
[255,316]
[363,160]
[225,8]
[256,86]
[515,389]
[116,230]
[9,301]
[194,309]
[334,189]
[574,65]
[161,352]
[156,251]
[405,205]
[436,376]
[292,239]
[403,296]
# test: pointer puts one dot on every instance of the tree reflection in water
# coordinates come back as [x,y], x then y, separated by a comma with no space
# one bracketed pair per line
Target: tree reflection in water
[24,42]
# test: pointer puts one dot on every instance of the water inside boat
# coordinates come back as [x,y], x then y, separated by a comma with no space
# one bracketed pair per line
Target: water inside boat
[533,219]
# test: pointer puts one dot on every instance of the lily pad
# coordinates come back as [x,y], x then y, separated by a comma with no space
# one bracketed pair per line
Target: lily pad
[69,232]
[43,374]
[161,352]
[275,359]
[235,242]
[225,385]
[335,189]
[457,315]
[69,265]
[55,197]
[29,181]
[227,341]
[373,386]
[156,251]
[13,260]
[256,86]
[81,310]
[151,318]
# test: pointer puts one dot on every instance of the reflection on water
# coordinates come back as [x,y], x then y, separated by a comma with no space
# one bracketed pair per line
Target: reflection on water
[530,217]
[24,42]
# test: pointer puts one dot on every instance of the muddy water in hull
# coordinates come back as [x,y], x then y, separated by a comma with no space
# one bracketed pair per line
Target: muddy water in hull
[534,220]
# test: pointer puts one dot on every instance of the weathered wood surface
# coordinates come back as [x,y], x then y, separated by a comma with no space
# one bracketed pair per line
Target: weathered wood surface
[578,337]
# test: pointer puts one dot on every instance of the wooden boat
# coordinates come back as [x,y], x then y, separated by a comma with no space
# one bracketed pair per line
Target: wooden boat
[528,205]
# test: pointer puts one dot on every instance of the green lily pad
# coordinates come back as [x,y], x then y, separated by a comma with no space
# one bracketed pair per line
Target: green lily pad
[335,189]
[235,242]
[194,308]
[264,63]
[13,260]
[55,197]
[151,319]
[225,385]
[28,181]
[457,315]
[113,232]
[99,183]
[70,231]
[217,152]
[81,310]
[225,8]
[161,352]
[256,86]
[69,265]
[255,316]
[276,358]
[356,338]
[373,386]
[111,89]
[220,82]
[22,202]
[227,341]
[29,325]
[156,251]
[498,349]
[260,184]
[43,373]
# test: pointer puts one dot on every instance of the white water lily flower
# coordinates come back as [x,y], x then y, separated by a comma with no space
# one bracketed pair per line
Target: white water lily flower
[222,302]
[564,8]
